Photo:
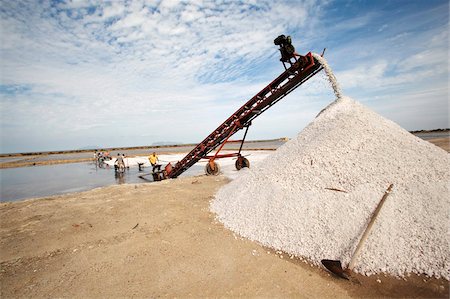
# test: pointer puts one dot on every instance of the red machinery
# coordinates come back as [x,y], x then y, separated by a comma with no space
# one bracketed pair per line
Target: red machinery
[299,72]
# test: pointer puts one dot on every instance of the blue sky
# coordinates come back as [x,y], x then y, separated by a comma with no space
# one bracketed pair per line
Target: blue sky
[113,73]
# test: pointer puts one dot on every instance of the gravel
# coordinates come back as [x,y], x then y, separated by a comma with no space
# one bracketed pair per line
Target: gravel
[313,197]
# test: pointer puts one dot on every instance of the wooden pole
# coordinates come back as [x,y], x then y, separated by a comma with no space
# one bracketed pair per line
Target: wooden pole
[369,226]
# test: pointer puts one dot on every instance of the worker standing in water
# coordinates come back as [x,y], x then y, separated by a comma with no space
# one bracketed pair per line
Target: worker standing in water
[153,158]
[119,164]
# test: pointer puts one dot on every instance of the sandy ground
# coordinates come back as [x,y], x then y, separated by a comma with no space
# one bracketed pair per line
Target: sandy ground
[158,240]
[443,143]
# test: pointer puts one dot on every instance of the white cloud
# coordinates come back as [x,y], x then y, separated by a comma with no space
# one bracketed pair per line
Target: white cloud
[94,68]
[364,76]
[133,19]
[383,27]
[168,4]
[74,4]
[114,9]
[426,58]
[191,13]
[353,23]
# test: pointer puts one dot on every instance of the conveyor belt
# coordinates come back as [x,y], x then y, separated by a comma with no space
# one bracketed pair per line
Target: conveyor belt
[293,77]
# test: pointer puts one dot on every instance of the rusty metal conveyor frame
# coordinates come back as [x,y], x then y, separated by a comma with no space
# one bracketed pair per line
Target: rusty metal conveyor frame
[293,77]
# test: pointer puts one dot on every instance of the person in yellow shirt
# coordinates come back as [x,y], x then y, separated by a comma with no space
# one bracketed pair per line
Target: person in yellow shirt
[153,158]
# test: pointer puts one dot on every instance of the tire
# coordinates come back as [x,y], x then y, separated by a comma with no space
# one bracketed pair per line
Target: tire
[210,171]
[242,162]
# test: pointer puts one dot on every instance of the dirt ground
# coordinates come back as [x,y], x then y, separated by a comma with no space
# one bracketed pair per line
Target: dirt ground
[158,240]
[443,143]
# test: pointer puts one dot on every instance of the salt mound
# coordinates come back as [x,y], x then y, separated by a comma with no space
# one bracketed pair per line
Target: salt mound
[287,203]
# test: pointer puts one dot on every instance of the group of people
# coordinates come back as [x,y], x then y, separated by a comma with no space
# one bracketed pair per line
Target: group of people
[101,156]
[119,163]
[153,159]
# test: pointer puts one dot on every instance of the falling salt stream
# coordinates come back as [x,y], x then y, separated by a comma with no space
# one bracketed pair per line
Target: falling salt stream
[289,201]
[330,75]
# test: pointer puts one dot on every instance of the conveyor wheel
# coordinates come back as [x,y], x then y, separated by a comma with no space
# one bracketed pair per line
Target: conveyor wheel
[242,162]
[212,168]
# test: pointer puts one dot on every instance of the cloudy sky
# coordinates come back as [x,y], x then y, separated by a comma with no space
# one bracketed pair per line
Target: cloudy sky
[112,73]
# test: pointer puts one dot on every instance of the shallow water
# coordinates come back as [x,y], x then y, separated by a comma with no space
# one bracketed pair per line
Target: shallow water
[432,135]
[41,181]
[28,182]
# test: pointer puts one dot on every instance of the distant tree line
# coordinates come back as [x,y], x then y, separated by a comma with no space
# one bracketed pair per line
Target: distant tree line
[430,131]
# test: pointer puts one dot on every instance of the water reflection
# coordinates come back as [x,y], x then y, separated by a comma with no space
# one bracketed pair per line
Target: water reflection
[120,177]
[40,181]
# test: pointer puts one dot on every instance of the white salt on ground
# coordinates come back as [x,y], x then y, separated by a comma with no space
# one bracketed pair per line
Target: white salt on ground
[286,203]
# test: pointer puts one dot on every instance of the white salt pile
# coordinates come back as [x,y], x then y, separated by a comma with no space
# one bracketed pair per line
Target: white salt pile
[290,202]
